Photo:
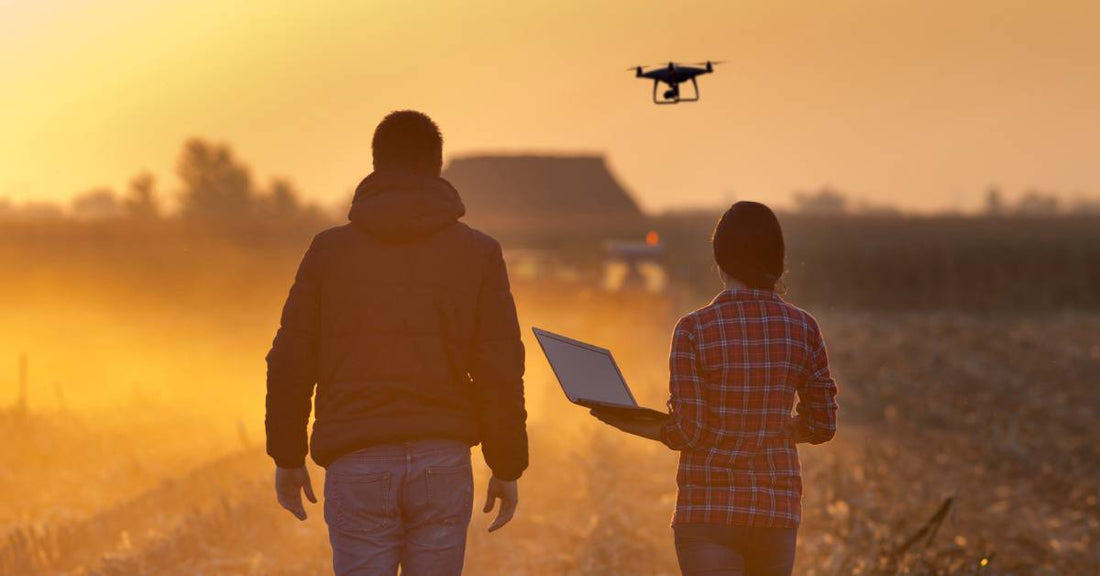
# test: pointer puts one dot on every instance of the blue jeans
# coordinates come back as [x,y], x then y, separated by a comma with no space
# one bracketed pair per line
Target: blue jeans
[717,550]
[404,505]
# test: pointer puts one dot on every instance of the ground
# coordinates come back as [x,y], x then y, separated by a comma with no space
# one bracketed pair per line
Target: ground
[998,413]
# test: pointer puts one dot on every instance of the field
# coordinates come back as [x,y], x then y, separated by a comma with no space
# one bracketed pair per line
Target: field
[139,450]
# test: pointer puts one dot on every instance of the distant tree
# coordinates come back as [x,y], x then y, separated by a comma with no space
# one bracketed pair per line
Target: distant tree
[282,199]
[824,202]
[869,208]
[216,186]
[1081,206]
[1037,203]
[40,211]
[284,202]
[141,201]
[97,204]
[994,202]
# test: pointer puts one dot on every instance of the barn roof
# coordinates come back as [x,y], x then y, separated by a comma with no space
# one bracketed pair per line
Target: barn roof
[532,189]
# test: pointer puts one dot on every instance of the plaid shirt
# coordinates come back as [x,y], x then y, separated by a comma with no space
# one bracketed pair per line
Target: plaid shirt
[736,366]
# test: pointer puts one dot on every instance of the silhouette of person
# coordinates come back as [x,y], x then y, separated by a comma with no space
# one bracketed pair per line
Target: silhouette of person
[404,321]
[736,369]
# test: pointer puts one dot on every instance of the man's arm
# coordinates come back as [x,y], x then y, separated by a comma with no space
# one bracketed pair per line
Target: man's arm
[497,372]
[292,366]
[815,420]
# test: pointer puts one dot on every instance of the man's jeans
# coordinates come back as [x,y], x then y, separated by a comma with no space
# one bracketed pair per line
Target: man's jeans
[400,504]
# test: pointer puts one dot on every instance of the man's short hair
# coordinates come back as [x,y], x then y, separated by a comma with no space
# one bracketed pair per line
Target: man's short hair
[408,140]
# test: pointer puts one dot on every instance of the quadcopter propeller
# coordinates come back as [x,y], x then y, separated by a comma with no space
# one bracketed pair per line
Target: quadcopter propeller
[711,62]
[633,68]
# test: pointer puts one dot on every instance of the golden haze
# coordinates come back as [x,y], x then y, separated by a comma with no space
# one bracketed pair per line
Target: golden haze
[918,104]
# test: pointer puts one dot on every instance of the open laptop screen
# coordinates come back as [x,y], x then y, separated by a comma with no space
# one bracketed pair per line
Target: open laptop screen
[585,372]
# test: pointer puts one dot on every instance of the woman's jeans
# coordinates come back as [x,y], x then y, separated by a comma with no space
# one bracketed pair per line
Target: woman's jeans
[400,504]
[717,550]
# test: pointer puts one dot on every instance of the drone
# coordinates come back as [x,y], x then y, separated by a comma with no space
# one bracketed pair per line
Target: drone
[673,74]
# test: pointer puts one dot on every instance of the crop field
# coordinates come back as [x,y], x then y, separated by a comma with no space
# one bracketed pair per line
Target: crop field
[1008,431]
[967,440]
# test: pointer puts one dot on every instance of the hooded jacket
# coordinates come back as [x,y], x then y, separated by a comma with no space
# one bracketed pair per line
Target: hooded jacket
[404,321]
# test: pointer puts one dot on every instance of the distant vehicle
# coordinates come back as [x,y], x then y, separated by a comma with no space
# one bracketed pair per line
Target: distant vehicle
[635,267]
[672,75]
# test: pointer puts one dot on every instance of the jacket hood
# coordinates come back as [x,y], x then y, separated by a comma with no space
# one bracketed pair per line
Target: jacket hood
[401,206]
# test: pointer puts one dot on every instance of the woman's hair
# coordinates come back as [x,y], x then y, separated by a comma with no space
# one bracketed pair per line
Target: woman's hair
[748,245]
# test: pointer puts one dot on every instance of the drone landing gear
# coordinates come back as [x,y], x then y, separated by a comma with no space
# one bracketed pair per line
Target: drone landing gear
[672,95]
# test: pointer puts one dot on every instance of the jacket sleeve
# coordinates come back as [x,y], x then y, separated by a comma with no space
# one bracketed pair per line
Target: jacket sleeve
[292,366]
[815,413]
[496,369]
[686,401]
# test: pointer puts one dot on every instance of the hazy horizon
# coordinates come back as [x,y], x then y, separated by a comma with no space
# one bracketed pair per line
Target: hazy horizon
[919,106]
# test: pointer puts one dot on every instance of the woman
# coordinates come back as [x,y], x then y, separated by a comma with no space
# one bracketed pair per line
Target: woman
[736,368]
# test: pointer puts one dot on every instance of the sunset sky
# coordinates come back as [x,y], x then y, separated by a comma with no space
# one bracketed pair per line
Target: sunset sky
[920,104]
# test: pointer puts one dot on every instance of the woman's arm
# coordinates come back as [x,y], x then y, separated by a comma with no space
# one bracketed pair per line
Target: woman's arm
[815,420]
[683,427]
[643,427]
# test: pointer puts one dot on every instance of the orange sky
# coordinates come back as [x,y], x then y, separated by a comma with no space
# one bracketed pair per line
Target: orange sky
[921,104]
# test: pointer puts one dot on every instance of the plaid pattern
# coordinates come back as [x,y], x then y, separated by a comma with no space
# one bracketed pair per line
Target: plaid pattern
[736,367]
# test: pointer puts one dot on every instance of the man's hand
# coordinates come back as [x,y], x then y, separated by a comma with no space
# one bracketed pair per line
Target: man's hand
[508,492]
[644,427]
[289,484]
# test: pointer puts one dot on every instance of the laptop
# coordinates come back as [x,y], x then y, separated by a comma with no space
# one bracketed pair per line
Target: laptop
[589,376]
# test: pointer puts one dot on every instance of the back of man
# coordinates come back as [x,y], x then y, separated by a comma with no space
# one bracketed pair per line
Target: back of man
[404,320]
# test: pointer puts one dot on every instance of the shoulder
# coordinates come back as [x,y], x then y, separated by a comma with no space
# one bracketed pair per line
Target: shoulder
[803,319]
[801,314]
[477,236]
[324,242]
[689,323]
[712,313]
[331,236]
[480,241]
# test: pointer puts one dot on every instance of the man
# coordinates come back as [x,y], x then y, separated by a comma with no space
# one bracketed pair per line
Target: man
[404,321]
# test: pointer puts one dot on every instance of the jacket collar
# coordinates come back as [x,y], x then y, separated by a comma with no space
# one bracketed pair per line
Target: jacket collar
[746,295]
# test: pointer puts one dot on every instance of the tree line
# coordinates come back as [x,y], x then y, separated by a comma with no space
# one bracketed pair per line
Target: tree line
[216,186]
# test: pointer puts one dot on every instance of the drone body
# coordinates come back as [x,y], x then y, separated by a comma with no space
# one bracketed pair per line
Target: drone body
[672,75]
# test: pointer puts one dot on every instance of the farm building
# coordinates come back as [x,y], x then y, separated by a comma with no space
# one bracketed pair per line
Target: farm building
[563,217]
[527,197]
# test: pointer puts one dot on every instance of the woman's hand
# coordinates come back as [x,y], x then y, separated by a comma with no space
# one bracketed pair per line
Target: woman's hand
[644,427]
